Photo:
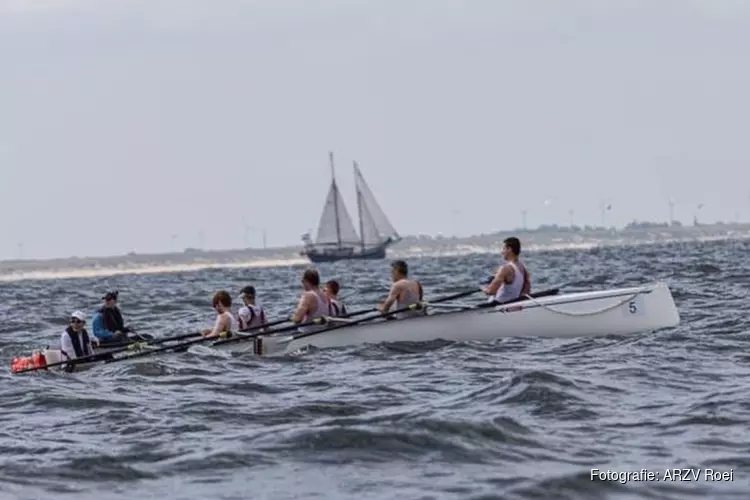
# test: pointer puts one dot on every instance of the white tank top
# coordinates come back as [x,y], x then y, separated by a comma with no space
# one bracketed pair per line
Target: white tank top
[513,290]
[232,320]
[336,309]
[320,312]
[411,298]
[251,311]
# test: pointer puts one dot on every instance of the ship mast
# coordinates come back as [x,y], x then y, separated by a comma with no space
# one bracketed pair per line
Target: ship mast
[335,199]
[360,209]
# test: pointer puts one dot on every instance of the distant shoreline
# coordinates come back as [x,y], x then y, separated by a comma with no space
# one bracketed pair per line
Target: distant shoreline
[548,238]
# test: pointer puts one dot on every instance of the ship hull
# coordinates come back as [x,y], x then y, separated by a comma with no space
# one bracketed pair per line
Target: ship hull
[337,254]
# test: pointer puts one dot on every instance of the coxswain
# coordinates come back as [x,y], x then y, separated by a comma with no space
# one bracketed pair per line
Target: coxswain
[251,315]
[512,280]
[225,322]
[75,341]
[107,324]
[335,308]
[312,302]
[404,292]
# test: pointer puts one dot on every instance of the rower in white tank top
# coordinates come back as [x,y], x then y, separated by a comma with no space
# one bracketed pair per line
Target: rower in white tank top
[228,319]
[312,304]
[404,292]
[321,311]
[336,308]
[405,299]
[513,290]
[225,320]
[512,279]
[250,315]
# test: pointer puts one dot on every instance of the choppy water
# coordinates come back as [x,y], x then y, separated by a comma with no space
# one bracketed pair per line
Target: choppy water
[523,418]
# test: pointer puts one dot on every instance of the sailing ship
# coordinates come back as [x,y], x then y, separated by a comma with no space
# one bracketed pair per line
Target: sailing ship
[337,239]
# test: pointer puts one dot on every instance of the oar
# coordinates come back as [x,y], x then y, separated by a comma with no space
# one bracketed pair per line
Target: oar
[448,306]
[100,356]
[267,325]
[85,359]
[143,339]
[140,343]
[536,295]
[186,345]
[123,347]
[108,358]
[413,307]
[142,336]
[316,321]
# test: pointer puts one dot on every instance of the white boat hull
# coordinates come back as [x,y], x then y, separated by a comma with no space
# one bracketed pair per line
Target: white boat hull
[623,311]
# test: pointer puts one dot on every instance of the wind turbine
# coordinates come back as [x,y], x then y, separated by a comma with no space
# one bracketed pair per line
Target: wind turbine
[695,215]
[671,211]
[604,207]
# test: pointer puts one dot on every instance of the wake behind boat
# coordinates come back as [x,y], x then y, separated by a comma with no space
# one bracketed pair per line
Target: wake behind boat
[621,311]
[337,239]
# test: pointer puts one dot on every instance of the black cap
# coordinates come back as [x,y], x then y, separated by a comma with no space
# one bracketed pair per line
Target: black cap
[248,290]
[111,295]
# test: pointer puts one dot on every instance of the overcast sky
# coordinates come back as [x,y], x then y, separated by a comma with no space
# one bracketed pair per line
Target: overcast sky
[125,122]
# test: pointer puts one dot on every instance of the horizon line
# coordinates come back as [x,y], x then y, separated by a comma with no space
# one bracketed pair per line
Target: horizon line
[634,226]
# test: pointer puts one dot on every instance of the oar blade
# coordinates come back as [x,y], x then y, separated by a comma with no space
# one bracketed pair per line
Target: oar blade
[23,364]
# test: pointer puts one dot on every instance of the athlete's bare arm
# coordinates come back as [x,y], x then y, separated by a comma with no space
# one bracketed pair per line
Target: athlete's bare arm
[504,274]
[396,290]
[303,308]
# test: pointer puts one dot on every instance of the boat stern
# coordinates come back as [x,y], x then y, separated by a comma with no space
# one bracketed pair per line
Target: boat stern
[662,303]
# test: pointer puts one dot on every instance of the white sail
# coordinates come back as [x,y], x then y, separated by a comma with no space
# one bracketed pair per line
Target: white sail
[367,227]
[334,210]
[375,225]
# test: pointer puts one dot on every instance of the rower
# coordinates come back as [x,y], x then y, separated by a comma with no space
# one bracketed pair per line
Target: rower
[512,279]
[404,292]
[312,302]
[75,341]
[107,323]
[250,315]
[335,308]
[225,322]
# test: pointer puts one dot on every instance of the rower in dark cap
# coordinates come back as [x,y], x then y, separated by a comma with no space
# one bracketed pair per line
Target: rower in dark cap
[107,323]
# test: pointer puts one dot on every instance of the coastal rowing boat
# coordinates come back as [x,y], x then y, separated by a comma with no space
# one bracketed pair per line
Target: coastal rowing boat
[622,311]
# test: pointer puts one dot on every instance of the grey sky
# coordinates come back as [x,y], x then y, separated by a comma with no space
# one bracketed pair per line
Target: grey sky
[172,117]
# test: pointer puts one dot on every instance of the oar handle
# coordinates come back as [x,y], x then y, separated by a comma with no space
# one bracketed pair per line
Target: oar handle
[267,325]
[173,347]
[316,321]
[224,336]
[413,307]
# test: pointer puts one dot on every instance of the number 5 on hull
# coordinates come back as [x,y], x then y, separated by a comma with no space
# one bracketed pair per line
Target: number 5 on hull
[634,307]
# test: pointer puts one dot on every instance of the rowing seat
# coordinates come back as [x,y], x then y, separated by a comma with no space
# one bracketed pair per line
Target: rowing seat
[536,295]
